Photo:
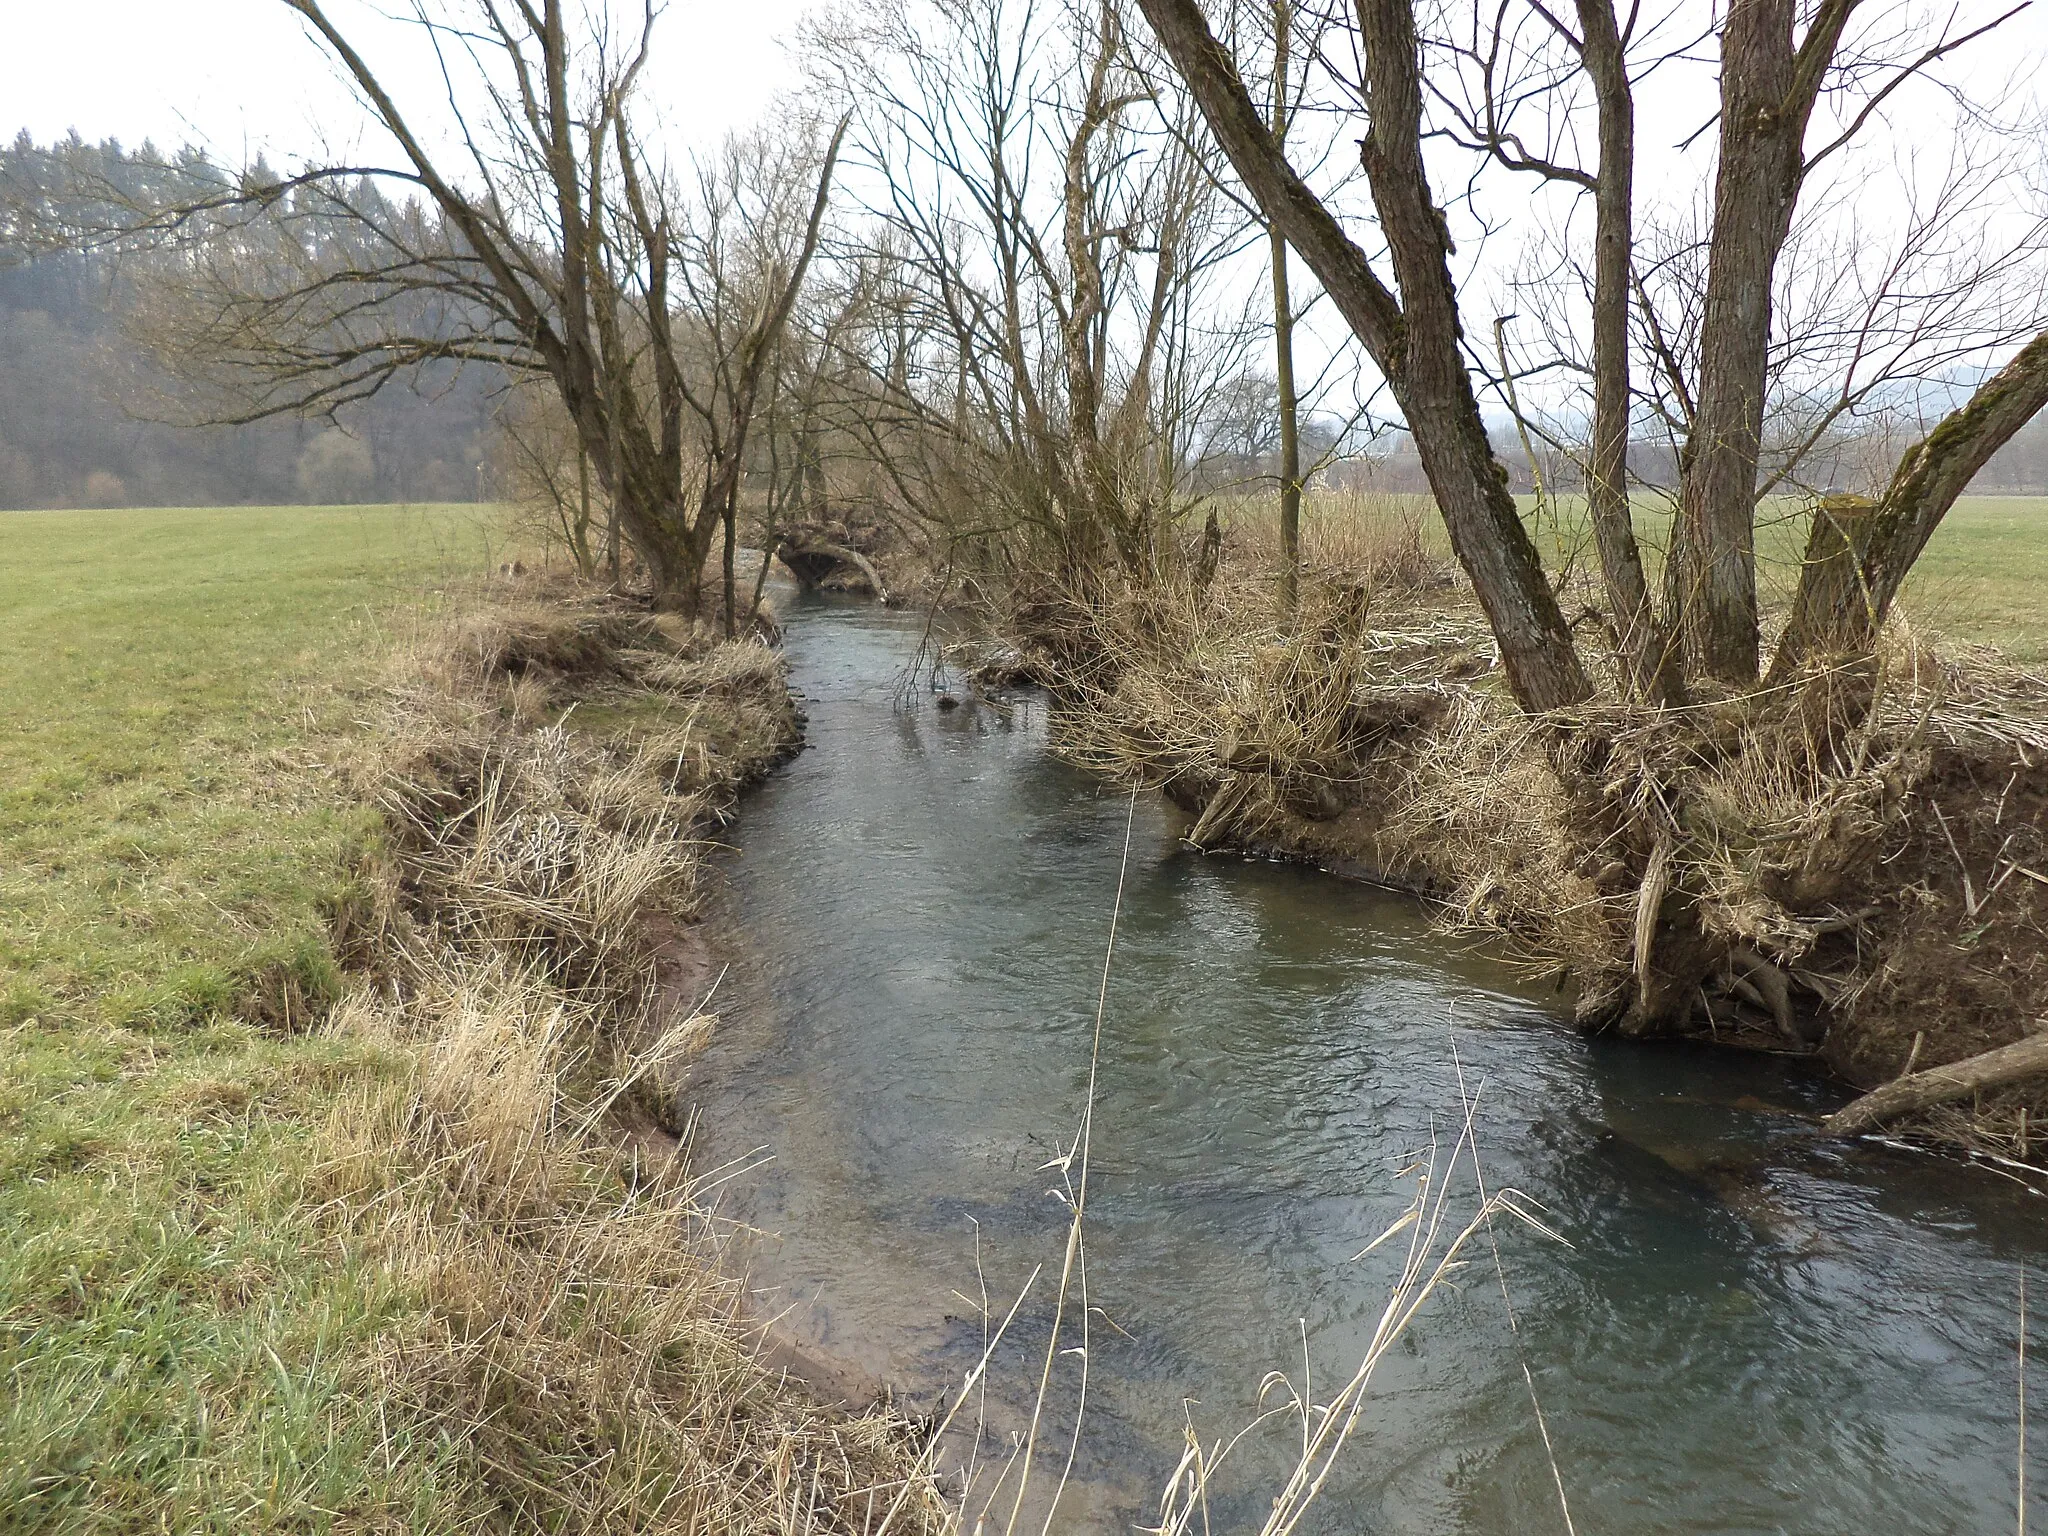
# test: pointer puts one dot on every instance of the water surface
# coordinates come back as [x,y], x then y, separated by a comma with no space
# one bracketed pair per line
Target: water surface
[1744,1330]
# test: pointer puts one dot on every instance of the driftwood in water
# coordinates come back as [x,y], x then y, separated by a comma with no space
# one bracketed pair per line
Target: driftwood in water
[1942,1085]
[1215,819]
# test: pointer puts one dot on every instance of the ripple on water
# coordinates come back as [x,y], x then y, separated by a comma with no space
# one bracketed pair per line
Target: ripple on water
[1745,1333]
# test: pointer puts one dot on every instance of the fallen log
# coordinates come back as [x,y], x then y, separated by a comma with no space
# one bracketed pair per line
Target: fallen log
[1941,1085]
[811,560]
[1216,815]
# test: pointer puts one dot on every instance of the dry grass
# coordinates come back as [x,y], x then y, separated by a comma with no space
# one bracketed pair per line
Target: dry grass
[1383,539]
[578,1341]
[1446,1217]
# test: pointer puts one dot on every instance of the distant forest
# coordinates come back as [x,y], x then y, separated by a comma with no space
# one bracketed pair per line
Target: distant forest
[87,419]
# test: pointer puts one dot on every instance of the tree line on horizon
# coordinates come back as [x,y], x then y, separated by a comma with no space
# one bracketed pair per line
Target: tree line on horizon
[89,416]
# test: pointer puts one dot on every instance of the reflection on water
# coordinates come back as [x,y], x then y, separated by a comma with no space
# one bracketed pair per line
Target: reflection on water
[1747,1331]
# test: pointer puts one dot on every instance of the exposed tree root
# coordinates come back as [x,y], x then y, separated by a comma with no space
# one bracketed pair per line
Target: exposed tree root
[1769,987]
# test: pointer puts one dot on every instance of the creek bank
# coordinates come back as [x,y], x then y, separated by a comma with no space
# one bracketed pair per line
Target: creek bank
[551,769]
[1851,867]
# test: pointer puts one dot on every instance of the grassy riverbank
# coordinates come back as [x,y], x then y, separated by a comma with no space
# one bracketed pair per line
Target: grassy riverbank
[317,1210]
[1850,866]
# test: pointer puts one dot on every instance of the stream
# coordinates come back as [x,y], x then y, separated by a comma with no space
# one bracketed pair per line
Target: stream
[1737,1327]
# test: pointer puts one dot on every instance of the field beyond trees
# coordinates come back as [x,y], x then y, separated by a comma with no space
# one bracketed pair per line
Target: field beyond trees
[1983,578]
[1979,583]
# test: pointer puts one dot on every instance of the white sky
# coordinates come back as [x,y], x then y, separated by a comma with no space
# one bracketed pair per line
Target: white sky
[236,75]
[240,75]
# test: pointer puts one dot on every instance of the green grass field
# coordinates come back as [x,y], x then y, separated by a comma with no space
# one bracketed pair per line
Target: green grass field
[172,848]
[167,676]
[1985,576]
[1983,579]
[1980,580]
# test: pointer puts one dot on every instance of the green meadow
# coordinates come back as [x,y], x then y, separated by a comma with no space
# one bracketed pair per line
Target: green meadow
[1985,576]
[176,694]
[1982,580]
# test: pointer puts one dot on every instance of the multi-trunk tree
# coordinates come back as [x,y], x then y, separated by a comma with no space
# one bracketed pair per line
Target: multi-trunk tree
[1463,80]
[530,226]
[1529,90]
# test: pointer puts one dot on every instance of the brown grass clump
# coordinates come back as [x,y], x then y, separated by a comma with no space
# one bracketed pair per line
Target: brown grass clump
[578,1343]
[576,1349]
[518,832]
[567,636]
[1351,538]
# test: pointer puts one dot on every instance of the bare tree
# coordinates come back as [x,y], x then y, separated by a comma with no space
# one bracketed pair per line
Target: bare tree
[554,242]
[1416,339]
[1526,92]
[1283,327]
[1050,222]
[1720,366]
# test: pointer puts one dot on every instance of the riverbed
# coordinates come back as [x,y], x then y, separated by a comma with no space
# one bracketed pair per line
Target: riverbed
[1735,1328]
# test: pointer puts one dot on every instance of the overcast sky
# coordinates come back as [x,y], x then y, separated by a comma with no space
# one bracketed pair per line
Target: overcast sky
[236,74]
[242,76]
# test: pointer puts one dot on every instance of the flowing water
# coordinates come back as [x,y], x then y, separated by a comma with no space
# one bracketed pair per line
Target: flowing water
[1742,1329]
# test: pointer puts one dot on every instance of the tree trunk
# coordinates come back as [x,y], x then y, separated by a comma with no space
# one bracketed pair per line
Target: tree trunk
[1417,350]
[1767,93]
[1829,611]
[1434,387]
[674,555]
[1283,341]
[1942,1085]
[728,581]
[1646,653]
[1290,431]
[580,545]
[1711,571]
[1091,478]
